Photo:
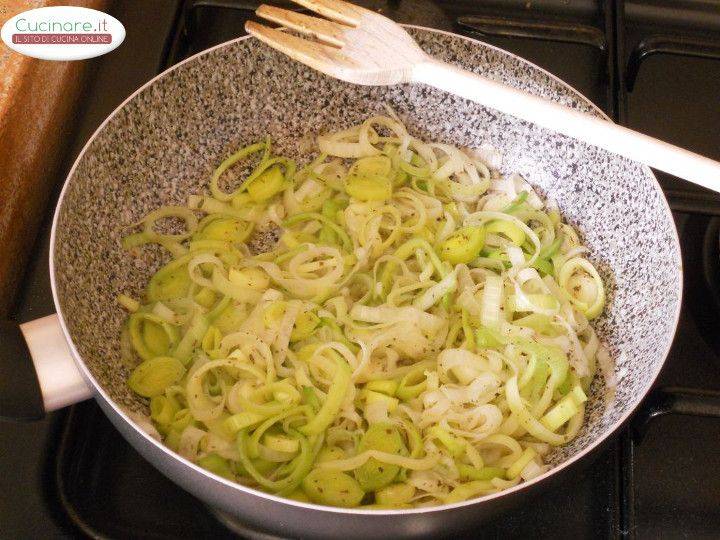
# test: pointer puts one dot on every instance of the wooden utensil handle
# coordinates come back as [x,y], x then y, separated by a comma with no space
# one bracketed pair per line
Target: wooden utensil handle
[584,127]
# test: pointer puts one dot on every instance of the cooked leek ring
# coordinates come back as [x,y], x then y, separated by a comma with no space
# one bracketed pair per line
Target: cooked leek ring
[152,377]
[221,195]
[463,246]
[332,488]
[228,229]
[163,409]
[373,474]
[151,335]
[267,185]
[584,286]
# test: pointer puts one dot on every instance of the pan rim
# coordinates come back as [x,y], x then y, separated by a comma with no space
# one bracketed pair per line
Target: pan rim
[98,390]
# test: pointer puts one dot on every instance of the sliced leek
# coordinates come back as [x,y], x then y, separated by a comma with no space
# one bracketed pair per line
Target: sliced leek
[418,335]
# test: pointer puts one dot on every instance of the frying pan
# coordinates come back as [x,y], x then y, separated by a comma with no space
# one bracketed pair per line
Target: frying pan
[164,141]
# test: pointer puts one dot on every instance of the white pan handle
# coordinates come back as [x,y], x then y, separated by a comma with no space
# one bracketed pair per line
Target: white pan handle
[60,381]
[37,370]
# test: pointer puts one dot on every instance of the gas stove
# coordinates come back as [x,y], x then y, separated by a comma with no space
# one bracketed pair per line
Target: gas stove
[651,65]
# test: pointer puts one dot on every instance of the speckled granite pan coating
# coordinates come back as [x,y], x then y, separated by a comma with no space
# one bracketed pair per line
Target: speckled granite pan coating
[165,142]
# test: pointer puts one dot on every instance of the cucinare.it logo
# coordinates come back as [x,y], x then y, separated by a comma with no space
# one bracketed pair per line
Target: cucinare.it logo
[63,33]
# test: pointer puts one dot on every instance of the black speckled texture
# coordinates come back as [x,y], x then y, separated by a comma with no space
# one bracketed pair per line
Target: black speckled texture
[164,143]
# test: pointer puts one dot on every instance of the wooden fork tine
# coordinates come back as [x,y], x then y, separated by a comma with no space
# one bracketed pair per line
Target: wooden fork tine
[321,29]
[336,10]
[324,58]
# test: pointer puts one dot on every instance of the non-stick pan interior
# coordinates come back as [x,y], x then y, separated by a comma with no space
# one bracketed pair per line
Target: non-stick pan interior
[163,144]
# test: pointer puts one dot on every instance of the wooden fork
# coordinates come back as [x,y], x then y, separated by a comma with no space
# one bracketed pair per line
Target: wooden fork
[360,46]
